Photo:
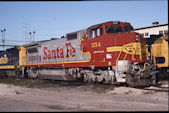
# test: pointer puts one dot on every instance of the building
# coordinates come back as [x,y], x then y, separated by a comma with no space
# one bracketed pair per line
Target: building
[155,29]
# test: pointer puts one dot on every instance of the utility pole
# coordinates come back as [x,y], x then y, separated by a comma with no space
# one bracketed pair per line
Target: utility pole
[3,37]
[26,32]
[32,36]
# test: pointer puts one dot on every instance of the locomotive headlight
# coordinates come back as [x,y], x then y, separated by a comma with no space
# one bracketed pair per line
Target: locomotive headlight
[136,37]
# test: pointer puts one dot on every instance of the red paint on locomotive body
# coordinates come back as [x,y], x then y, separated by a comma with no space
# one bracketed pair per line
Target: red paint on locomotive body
[99,45]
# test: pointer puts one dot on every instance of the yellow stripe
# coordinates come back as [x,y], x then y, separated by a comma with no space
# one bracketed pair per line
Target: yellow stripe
[130,48]
[116,48]
[60,62]
[7,67]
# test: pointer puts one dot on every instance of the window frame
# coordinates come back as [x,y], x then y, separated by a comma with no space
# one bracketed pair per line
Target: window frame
[93,33]
[108,27]
[161,32]
[101,31]
[146,34]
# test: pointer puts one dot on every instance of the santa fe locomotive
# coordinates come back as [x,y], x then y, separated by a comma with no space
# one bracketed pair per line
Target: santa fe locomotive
[109,52]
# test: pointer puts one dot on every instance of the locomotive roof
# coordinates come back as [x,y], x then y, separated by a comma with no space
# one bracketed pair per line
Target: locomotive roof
[39,42]
[165,37]
[97,25]
[152,39]
[34,43]
[75,31]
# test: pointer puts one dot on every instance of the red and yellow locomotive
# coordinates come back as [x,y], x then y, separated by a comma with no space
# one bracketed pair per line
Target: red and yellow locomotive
[114,45]
[113,41]
[109,52]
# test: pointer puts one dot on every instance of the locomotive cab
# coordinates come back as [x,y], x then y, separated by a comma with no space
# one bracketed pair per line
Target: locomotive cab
[114,45]
[109,39]
[108,28]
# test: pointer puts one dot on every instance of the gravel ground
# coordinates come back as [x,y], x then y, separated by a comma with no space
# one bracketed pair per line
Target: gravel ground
[84,97]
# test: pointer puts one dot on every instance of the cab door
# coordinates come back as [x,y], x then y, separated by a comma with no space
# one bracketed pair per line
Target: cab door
[96,46]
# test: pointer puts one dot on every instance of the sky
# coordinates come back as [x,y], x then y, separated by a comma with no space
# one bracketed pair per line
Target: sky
[57,18]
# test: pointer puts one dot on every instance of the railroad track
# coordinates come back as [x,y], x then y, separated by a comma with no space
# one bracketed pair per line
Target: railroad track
[53,83]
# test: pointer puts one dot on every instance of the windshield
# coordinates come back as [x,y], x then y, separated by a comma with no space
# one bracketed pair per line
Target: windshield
[110,29]
[127,29]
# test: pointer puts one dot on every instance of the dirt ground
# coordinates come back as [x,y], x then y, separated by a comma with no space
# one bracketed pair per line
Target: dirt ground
[81,97]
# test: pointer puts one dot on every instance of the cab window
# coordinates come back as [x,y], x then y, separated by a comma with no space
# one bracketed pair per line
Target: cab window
[127,29]
[111,29]
[94,33]
[90,33]
[101,31]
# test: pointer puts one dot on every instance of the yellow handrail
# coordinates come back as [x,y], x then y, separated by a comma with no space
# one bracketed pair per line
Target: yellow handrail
[119,57]
[144,66]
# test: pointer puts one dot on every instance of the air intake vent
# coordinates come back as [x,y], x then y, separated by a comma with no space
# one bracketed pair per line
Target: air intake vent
[71,36]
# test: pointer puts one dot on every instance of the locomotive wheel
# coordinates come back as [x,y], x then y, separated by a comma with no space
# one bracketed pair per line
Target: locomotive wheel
[136,82]
[130,80]
[85,76]
[107,79]
[79,75]
[100,78]
[10,73]
[94,79]
[33,73]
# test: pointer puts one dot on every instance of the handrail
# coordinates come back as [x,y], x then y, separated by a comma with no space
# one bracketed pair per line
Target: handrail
[119,57]
[120,53]
[144,66]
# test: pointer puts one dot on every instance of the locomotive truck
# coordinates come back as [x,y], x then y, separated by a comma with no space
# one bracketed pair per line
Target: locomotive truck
[109,53]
